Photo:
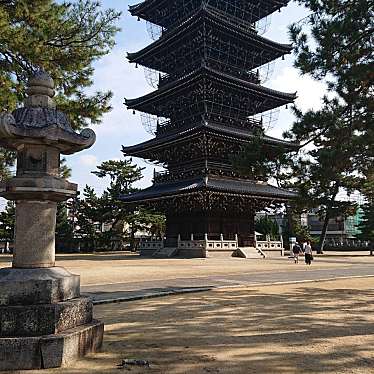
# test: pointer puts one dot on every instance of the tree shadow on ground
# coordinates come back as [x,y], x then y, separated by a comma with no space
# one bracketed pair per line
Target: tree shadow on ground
[305,329]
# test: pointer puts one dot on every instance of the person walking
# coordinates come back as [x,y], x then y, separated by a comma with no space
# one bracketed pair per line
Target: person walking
[296,252]
[308,253]
[304,245]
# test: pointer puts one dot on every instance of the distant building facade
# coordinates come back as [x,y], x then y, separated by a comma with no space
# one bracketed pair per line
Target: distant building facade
[339,228]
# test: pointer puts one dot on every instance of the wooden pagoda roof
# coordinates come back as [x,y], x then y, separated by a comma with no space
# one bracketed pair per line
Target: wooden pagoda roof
[270,49]
[149,10]
[235,134]
[271,98]
[217,184]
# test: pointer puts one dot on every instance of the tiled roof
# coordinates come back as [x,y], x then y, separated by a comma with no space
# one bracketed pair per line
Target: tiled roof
[217,128]
[176,34]
[146,9]
[186,82]
[211,183]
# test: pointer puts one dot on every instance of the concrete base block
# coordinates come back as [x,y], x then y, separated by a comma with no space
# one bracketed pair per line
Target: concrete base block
[220,253]
[147,252]
[20,353]
[50,351]
[37,286]
[45,319]
[192,253]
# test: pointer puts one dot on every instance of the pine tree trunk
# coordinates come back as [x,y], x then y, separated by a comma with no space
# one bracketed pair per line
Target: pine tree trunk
[322,237]
[290,221]
[132,239]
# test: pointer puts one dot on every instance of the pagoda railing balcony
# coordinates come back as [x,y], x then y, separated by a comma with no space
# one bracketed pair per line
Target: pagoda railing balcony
[167,176]
[161,176]
[179,73]
[221,118]
[214,64]
[168,127]
[236,71]
[250,124]
[193,171]
[244,24]
[161,126]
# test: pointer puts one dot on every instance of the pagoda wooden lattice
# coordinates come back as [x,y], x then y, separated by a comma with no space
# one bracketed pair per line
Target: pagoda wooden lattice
[204,110]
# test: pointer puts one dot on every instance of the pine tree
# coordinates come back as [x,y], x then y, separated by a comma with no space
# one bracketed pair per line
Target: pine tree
[367,223]
[64,228]
[89,219]
[267,226]
[64,38]
[123,174]
[260,162]
[334,43]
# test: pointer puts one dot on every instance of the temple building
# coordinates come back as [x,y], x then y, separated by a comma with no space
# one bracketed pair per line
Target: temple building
[206,107]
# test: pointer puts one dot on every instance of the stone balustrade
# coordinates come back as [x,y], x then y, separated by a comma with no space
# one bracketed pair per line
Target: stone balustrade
[209,244]
[270,246]
[151,243]
[206,243]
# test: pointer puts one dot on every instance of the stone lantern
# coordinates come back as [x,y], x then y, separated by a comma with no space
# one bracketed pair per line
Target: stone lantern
[44,322]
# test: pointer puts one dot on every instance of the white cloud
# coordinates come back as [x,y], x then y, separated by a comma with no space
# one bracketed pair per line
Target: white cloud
[309,91]
[309,96]
[88,160]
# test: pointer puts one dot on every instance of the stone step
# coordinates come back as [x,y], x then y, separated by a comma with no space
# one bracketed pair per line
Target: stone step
[249,253]
[166,252]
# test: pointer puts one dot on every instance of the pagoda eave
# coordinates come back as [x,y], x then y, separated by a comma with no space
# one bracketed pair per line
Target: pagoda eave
[146,9]
[233,134]
[210,184]
[174,36]
[147,102]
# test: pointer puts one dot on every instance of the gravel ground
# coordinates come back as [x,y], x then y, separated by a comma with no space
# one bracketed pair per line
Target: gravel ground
[325,327]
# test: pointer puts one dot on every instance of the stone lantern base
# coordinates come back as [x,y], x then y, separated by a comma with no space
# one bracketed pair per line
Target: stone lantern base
[44,322]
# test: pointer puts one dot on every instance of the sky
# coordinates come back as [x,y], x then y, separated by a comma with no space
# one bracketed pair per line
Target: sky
[114,73]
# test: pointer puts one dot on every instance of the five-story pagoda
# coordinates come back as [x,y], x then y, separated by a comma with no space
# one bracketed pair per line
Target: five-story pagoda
[205,105]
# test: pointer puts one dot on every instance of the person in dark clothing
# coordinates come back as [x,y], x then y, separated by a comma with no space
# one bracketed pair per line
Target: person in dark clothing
[296,252]
[308,253]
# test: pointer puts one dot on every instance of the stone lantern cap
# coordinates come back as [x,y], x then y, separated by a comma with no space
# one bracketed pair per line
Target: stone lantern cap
[39,122]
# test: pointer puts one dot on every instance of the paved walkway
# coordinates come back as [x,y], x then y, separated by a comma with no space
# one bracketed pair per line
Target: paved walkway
[115,292]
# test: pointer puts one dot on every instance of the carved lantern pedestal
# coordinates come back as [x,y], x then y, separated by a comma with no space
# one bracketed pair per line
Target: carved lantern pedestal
[44,322]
